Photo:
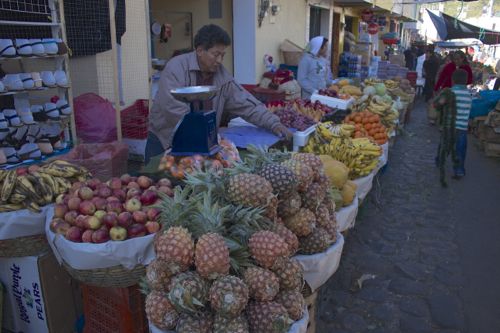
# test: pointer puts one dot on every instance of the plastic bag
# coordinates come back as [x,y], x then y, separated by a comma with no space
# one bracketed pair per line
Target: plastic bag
[103,160]
[95,119]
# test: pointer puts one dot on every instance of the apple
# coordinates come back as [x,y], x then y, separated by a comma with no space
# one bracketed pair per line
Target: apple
[152,226]
[136,230]
[93,183]
[140,217]
[54,223]
[85,193]
[100,236]
[133,205]
[144,182]
[133,193]
[104,227]
[60,210]
[118,233]
[115,183]
[70,217]
[125,178]
[87,208]
[80,221]
[92,222]
[133,185]
[110,219]
[120,194]
[21,171]
[74,203]
[153,188]
[74,234]
[33,168]
[75,187]
[149,197]
[99,203]
[87,236]
[114,206]
[166,190]
[164,182]
[153,214]
[62,227]
[125,219]
[104,191]
[100,214]
[112,198]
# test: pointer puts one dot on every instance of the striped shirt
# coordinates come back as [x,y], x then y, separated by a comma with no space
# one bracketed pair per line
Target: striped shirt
[464,102]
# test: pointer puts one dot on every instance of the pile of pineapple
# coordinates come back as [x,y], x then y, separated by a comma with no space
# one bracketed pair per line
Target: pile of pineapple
[224,258]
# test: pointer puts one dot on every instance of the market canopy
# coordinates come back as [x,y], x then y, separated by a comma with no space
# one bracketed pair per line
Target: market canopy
[449,27]
[454,45]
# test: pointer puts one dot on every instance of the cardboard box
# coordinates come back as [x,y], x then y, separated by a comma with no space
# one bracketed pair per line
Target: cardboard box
[39,295]
[489,134]
[492,149]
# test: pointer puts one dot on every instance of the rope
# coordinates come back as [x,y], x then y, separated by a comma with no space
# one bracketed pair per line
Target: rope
[460,12]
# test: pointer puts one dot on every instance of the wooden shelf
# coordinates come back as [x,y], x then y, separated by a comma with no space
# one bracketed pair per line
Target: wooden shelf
[15,92]
[32,57]
[32,24]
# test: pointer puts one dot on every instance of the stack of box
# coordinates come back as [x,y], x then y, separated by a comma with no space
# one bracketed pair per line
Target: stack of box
[489,133]
[354,68]
[403,71]
[393,70]
[382,69]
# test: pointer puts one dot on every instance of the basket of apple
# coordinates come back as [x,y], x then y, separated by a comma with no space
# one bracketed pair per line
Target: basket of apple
[102,232]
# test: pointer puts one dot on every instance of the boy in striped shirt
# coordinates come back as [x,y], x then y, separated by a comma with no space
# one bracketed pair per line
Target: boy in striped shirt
[463,105]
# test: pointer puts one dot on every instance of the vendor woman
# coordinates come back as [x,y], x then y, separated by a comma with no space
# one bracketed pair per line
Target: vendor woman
[203,67]
[313,70]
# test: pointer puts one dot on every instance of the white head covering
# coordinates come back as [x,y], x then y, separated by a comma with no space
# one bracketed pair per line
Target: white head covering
[315,45]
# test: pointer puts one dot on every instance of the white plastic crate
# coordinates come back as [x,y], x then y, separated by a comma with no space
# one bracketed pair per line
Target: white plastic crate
[342,104]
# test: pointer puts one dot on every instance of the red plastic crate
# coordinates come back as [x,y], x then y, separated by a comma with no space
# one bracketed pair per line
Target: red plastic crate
[113,310]
[135,120]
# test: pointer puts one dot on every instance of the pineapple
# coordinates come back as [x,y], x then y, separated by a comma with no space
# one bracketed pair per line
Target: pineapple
[304,174]
[313,197]
[318,241]
[290,206]
[324,182]
[176,247]
[290,273]
[249,190]
[331,228]
[322,216]
[212,256]
[301,223]
[329,204]
[230,325]
[160,311]
[268,317]
[188,292]
[293,301]
[263,285]
[311,160]
[282,179]
[272,209]
[288,236]
[199,323]
[228,296]
[159,275]
[266,247]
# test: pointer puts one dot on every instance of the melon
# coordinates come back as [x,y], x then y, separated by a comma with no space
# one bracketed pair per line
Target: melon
[348,193]
[369,90]
[336,171]
[380,89]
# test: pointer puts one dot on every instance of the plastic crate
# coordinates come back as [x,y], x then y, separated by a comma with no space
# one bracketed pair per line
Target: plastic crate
[112,310]
[135,120]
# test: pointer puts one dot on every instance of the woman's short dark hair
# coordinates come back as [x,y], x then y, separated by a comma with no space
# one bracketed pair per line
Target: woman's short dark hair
[325,40]
[210,35]
[459,76]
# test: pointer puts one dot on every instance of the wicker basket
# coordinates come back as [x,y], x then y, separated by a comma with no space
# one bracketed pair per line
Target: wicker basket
[24,246]
[292,58]
[116,276]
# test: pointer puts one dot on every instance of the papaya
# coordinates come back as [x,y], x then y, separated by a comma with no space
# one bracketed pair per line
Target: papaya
[336,171]
[348,193]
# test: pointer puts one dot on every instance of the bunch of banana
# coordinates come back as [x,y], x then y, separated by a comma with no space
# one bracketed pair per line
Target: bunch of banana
[328,130]
[391,84]
[38,188]
[371,81]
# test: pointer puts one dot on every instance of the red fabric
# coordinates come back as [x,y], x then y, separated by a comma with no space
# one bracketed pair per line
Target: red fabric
[444,80]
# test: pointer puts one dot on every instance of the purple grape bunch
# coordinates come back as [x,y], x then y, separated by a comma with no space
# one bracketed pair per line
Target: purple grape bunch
[293,119]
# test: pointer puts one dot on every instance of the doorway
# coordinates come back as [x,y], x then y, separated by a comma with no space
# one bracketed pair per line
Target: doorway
[319,22]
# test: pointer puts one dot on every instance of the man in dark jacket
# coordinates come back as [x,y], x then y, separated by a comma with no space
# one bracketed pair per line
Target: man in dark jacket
[431,68]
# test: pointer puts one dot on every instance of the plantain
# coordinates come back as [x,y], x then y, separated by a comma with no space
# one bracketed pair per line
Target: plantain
[25,184]
[9,183]
[10,207]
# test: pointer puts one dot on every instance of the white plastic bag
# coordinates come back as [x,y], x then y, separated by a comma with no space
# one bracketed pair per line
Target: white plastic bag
[364,185]
[346,216]
[21,223]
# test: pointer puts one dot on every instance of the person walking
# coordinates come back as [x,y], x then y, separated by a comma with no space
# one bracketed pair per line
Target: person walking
[459,62]
[431,68]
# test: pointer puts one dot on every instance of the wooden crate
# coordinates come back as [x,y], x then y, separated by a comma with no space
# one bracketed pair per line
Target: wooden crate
[311,308]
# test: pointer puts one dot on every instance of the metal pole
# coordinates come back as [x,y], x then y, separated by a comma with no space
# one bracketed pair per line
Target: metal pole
[116,89]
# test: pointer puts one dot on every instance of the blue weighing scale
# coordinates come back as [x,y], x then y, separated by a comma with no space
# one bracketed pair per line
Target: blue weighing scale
[196,133]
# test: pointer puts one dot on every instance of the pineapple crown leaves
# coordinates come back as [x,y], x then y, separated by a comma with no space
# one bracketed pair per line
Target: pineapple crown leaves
[208,216]
[260,156]
[174,211]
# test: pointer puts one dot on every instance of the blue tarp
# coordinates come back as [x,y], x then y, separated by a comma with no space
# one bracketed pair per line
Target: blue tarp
[484,105]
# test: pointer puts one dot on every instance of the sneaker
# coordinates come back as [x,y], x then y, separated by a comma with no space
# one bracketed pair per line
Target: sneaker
[37,79]
[13,82]
[51,111]
[45,146]
[12,118]
[20,134]
[11,155]
[27,79]
[38,113]
[64,107]
[37,46]
[4,123]
[50,46]
[24,110]
[48,79]
[24,47]
[61,78]
[29,151]
[7,48]
[34,133]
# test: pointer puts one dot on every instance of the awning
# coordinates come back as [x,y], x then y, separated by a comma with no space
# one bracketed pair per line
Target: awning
[450,28]
[454,45]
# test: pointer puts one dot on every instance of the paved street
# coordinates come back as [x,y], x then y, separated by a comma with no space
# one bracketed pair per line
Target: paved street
[421,258]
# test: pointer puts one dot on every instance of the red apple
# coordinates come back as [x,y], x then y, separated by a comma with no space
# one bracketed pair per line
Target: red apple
[87,236]
[133,185]
[133,193]
[164,182]
[115,183]
[54,223]
[104,191]
[21,171]
[85,193]
[75,187]
[114,206]
[70,217]
[99,203]
[120,194]
[104,227]
[152,226]
[93,183]
[100,214]
[62,228]
[140,217]
[60,210]
[33,168]
[109,199]
[125,179]
[153,214]
[166,190]
[149,197]
[118,233]
[110,219]
[87,208]
[80,221]
[74,203]
[100,236]
[92,222]
[125,219]
[136,230]
[144,182]
[74,234]
[133,205]
[153,188]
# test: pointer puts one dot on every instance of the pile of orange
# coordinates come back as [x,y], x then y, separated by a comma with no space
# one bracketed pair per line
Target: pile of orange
[367,124]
